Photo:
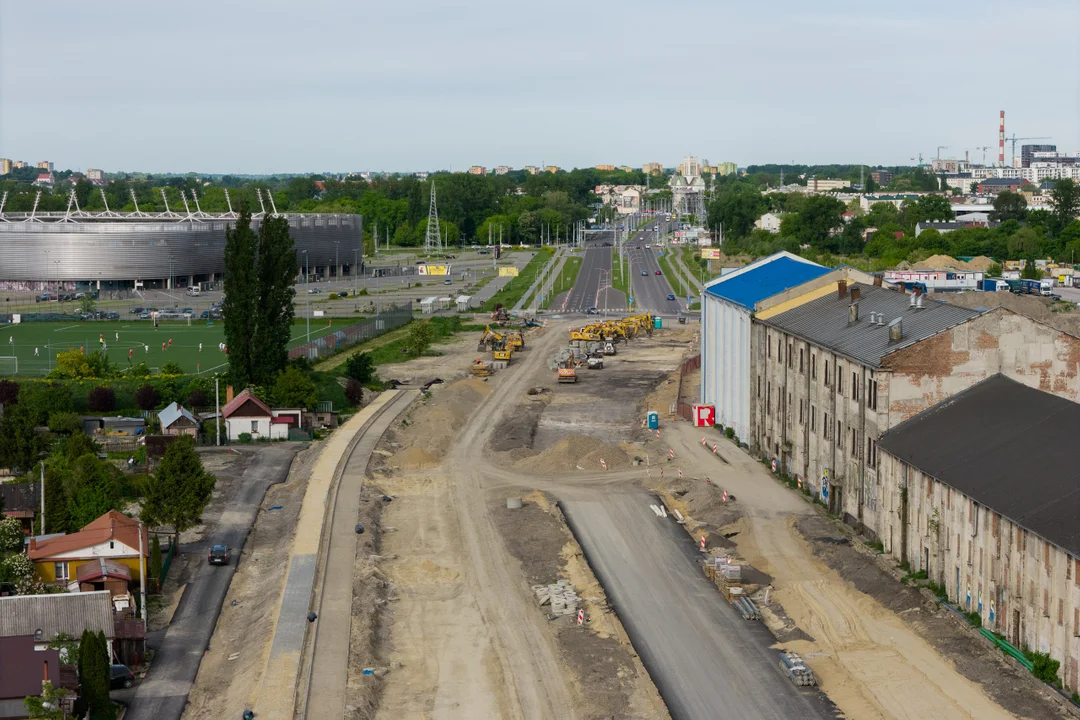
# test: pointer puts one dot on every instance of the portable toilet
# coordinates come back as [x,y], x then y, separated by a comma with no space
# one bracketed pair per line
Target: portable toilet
[654,419]
[657,323]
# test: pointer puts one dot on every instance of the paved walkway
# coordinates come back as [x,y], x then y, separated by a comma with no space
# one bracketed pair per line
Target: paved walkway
[277,697]
[559,259]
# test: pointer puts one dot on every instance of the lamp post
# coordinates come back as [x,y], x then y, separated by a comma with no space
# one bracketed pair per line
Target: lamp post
[307,292]
[356,264]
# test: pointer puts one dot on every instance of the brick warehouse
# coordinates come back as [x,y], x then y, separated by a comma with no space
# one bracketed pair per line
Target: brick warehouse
[983,493]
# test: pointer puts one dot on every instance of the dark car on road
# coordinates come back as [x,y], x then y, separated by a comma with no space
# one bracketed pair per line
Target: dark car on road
[218,555]
[136,310]
[671,296]
[121,677]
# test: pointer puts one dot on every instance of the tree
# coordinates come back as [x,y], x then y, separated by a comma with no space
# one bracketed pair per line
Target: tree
[292,388]
[11,536]
[57,518]
[9,392]
[72,363]
[93,491]
[197,398]
[819,218]
[871,185]
[1009,205]
[276,268]
[1065,197]
[994,271]
[87,303]
[361,368]
[736,208]
[172,368]
[354,392]
[239,307]
[101,399]
[65,423]
[47,705]
[1031,271]
[146,397]
[19,440]
[95,676]
[418,338]
[178,492]
[78,444]
[1023,243]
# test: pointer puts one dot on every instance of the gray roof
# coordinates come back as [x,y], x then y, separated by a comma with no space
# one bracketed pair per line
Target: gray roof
[174,412]
[824,322]
[55,613]
[1008,447]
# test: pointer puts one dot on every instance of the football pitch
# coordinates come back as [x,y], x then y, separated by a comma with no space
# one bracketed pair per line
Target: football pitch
[193,347]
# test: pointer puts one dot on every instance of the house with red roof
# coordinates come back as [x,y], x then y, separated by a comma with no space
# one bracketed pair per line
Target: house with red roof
[247,414]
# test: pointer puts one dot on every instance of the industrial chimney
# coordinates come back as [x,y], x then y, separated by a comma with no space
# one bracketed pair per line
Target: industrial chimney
[1001,140]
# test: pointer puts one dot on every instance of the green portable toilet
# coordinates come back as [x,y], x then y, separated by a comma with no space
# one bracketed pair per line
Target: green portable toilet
[654,419]
[657,322]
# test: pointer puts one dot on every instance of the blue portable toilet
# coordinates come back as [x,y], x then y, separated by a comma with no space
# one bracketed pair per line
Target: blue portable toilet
[657,323]
[654,419]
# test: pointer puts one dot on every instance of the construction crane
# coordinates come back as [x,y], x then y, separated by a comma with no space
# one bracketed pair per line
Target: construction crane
[1015,139]
[984,148]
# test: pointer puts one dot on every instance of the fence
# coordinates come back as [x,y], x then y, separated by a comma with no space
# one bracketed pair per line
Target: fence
[166,561]
[389,318]
[683,409]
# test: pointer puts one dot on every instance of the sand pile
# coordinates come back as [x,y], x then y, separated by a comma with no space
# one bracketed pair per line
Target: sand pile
[430,427]
[980,262]
[412,458]
[576,451]
[940,262]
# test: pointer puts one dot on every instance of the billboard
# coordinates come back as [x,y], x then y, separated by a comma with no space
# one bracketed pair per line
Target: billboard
[710,253]
[508,271]
[434,269]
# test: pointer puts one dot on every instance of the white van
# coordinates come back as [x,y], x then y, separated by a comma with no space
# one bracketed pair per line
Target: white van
[194,290]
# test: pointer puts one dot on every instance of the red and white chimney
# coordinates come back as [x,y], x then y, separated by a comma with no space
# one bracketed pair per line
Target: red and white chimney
[1001,140]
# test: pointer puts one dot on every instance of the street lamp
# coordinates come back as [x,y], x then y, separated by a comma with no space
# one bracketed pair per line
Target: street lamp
[307,292]
[356,264]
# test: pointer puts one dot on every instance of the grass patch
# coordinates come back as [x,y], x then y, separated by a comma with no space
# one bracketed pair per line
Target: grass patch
[392,349]
[566,279]
[876,545]
[518,286]
[619,274]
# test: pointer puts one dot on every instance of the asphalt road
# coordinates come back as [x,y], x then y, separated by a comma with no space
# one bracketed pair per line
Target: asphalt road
[163,694]
[586,293]
[650,290]
[706,661]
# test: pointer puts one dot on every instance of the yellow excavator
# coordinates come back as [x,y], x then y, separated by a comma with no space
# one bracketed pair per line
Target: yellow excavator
[515,340]
[500,349]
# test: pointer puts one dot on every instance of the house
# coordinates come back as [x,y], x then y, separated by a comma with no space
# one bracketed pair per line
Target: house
[769,222]
[22,671]
[43,617]
[176,420]
[247,414]
[113,536]
[99,425]
[21,500]
[44,180]
[983,494]
[994,185]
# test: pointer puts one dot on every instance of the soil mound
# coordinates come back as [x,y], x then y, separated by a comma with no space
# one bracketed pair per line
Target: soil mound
[573,452]
[412,458]
[980,262]
[940,262]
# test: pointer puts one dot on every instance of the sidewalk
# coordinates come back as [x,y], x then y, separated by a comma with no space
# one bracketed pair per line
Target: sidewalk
[559,259]
[277,697]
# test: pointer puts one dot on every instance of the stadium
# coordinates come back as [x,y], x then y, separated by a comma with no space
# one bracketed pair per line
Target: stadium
[81,250]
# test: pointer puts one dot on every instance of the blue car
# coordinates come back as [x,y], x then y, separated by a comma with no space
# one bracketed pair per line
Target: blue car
[670,296]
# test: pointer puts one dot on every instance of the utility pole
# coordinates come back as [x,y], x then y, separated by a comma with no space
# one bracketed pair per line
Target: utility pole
[142,576]
[41,525]
[217,422]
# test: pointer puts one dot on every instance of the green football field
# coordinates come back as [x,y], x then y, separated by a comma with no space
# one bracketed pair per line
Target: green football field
[138,337]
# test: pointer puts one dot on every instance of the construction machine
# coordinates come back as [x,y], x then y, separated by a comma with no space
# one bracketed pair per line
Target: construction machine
[500,316]
[515,340]
[504,355]
[567,369]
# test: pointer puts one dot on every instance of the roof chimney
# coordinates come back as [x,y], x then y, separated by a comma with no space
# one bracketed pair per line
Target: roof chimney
[901,287]
[853,312]
[911,302]
[856,293]
[918,290]
[877,281]
[33,543]
[841,289]
[228,394]
[918,303]
[896,330]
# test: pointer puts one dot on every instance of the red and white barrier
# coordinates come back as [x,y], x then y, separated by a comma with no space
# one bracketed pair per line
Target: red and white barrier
[725,496]
[714,448]
[702,542]
[661,472]
[702,441]
[680,473]
[603,464]
[708,481]
[657,434]
[580,616]
[671,453]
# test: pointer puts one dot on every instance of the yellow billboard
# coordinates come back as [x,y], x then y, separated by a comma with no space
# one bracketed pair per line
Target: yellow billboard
[434,269]
[710,253]
[508,271]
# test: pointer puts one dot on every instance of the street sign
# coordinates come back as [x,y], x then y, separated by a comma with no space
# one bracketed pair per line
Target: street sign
[630,299]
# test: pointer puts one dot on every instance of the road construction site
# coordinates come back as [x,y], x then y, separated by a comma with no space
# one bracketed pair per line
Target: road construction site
[532,550]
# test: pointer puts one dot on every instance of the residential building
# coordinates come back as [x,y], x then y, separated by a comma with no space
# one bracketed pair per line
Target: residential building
[981,494]
[605,167]
[113,536]
[176,420]
[21,500]
[625,168]
[19,164]
[881,177]
[690,168]
[769,222]
[866,201]
[1027,152]
[727,168]
[5,166]
[728,304]
[503,169]
[43,617]
[629,200]
[532,169]
[938,280]
[246,414]
[478,170]
[824,185]
[22,671]
[652,168]
[993,186]
[95,174]
[45,165]
[44,180]
[552,169]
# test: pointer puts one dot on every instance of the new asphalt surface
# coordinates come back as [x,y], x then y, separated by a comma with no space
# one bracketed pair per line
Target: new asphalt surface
[163,694]
[595,271]
[707,662]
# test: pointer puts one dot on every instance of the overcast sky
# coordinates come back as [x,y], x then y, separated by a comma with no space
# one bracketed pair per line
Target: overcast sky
[313,85]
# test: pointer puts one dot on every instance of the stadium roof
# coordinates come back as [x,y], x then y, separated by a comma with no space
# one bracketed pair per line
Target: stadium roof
[763,279]
[1006,446]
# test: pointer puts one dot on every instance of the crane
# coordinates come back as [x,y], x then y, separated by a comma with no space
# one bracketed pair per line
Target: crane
[1014,139]
[984,148]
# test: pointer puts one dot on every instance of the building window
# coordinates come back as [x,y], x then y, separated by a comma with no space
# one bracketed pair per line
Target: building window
[813,366]
[854,385]
[1046,602]
[825,375]
[1061,611]
[801,421]
[1076,621]
[768,346]
[825,426]
[780,350]
[60,569]
[789,354]
[768,398]
[839,379]
[871,452]
[813,427]
[871,392]
[254,426]
[854,443]
[759,387]
[839,434]
[802,357]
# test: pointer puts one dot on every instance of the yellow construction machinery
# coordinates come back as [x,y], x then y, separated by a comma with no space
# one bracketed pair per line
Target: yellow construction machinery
[515,340]
[567,372]
[497,342]
[503,355]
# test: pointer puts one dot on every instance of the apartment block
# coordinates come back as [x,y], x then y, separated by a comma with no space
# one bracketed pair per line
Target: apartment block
[608,168]
[653,168]
[45,165]
[5,166]
[478,170]
[503,169]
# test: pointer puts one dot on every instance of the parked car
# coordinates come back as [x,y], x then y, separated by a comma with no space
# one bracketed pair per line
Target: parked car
[218,555]
[144,315]
[112,316]
[121,677]
[189,312]
[205,314]
[314,291]
[136,311]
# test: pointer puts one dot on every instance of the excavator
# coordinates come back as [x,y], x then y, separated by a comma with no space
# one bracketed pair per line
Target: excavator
[515,340]
[500,350]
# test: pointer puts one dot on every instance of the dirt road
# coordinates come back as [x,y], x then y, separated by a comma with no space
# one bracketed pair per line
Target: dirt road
[867,660]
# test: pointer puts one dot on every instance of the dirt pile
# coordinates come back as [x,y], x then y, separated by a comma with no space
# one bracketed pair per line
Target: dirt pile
[1062,316]
[576,452]
[980,262]
[426,433]
[941,262]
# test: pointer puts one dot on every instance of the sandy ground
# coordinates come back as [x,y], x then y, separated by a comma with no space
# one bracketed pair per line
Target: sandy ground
[231,670]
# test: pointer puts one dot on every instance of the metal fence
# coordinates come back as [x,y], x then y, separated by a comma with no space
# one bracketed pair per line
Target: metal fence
[388,318]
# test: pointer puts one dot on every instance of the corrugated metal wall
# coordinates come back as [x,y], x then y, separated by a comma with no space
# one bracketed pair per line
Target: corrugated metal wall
[725,365]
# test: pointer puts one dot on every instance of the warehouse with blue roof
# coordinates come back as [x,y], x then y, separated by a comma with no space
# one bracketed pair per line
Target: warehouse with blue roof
[728,304]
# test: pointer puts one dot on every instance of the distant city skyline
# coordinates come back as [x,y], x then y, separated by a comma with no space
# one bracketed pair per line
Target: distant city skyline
[337,87]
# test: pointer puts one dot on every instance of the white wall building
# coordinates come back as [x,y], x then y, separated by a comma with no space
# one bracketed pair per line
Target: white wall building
[769,222]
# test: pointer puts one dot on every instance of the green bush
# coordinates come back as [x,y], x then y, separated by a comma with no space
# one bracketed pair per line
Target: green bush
[245,438]
[975,620]
[1045,668]
[729,433]
[64,422]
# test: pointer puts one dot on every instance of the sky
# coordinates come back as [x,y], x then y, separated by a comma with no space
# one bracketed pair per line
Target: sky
[319,86]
